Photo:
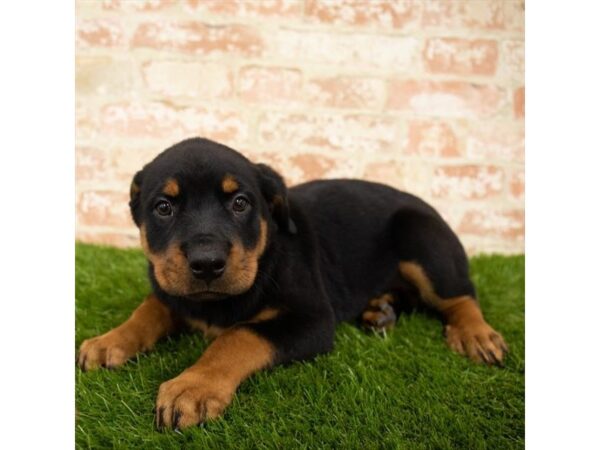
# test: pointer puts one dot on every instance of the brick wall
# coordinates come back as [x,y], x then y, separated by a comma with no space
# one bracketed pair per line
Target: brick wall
[427,96]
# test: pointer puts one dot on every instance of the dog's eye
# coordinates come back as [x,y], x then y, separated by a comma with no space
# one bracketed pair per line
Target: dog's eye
[240,204]
[163,208]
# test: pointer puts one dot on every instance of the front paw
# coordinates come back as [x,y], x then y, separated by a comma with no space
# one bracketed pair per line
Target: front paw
[109,350]
[480,342]
[190,399]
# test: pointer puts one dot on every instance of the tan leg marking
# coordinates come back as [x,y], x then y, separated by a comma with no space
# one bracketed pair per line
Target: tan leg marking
[204,390]
[466,330]
[151,321]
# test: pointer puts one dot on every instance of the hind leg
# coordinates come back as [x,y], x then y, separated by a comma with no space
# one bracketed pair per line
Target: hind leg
[434,261]
[379,316]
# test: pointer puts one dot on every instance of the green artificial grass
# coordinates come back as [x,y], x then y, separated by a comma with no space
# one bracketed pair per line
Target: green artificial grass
[404,390]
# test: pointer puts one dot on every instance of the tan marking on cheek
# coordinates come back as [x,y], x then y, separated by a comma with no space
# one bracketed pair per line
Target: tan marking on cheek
[229,184]
[170,267]
[242,265]
[209,331]
[171,188]
[144,241]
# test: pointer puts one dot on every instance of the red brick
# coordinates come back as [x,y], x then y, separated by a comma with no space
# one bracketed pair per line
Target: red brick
[431,138]
[246,8]
[476,14]
[269,84]
[198,38]
[467,182]
[375,13]
[346,92]
[517,184]
[312,165]
[397,53]
[124,239]
[461,56]
[137,5]
[103,208]
[354,133]
[188,79]
[519,102]
[485,222]
[445,98]
[495,140]
[158,120]
[99,33]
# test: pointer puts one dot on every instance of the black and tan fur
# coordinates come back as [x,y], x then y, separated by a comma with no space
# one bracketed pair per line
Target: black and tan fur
[267,274]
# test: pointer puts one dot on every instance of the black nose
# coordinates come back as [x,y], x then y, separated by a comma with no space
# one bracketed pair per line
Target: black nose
[207,265]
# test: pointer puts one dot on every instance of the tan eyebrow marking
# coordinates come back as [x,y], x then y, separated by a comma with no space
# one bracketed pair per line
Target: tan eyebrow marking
[229,184]
[171,188]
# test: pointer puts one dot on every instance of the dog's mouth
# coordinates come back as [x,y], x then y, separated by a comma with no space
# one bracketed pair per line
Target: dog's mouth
[208,295]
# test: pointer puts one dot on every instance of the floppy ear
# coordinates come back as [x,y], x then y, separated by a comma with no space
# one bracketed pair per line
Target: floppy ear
[274,190]
[134,197]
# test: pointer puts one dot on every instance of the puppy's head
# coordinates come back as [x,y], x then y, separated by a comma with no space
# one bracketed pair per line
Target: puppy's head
[205,215]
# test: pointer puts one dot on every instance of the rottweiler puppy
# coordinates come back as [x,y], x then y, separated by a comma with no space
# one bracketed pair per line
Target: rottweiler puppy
[267,273]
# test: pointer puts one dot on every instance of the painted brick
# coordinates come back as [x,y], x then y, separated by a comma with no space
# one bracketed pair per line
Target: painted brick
[484,15]
[514,15]
[137,5]
[513,61]
[351,134]
[102,76]
[467,182]
[497,141]
[245,8]
[99,33]
[461,56]
[305,166]
[389,91]
[375,13]
[431,138]
[106,208]
[346,92]
[485,222]
[92,164]
[445,98]
[188,79]
[411,176]
[519,102]
[269,84]
[85,122]
[397,53]
[198,38]
[158,120]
